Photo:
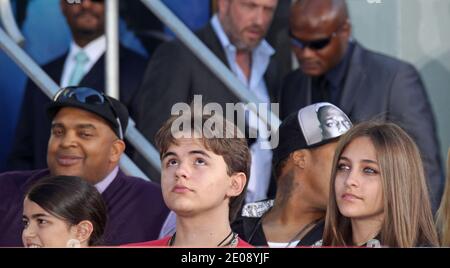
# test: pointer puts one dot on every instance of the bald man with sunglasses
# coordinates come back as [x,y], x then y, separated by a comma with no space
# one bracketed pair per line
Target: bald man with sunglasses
[336,68]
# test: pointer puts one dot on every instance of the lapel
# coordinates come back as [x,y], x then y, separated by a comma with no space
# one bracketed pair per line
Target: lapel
[96,76]
[272,79]
[54,69]
[356,77]
[209,37]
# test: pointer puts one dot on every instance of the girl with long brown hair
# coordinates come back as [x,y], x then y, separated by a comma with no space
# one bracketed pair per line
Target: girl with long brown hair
[378,193]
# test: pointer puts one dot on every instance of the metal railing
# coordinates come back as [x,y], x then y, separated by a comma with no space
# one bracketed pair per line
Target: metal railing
[148,151]
[49,87]
[210,60]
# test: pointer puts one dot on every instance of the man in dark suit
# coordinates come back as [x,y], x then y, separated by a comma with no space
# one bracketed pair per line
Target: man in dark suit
[364,84]
[236,36]
[83,64]
[87,141]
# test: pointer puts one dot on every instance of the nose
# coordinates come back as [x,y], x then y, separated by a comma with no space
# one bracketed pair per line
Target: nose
[182,171]
[68,140]
[29,232]
[351,180]
[86,3]
[259,17]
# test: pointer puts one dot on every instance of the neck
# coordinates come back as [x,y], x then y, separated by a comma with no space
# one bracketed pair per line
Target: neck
[244,60]
[83,40]
[205,230]
[293,210]
[365,229]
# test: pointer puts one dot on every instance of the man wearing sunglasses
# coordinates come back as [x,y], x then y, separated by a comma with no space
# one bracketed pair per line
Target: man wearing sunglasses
[87,141]
[364,84]
[83,64]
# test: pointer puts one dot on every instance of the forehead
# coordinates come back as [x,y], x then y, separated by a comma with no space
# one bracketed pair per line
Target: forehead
[331,112]
[30,207]
[360,148]
[265,3]
[313,24]
[188,144]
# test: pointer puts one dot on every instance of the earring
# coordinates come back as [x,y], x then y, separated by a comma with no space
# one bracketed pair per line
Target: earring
[73,243]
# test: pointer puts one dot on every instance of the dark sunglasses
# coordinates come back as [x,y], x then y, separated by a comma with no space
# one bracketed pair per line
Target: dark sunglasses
[88,96]
[314,44]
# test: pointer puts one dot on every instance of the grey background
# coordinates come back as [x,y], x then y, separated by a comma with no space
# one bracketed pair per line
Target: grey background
[417,31]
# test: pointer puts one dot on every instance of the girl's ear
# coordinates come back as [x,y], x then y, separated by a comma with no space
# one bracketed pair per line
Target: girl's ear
[83,231]
[238,181]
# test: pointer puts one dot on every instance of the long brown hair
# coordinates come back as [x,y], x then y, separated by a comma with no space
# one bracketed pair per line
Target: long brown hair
[443,213]
[408,219]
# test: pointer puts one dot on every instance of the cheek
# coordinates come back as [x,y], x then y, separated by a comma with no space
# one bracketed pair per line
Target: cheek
[339,185]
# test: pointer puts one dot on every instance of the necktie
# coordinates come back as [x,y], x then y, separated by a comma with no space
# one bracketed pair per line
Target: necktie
[79,71]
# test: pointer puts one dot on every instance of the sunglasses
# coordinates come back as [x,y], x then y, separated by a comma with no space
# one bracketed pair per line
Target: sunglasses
[314,44]
[88,96]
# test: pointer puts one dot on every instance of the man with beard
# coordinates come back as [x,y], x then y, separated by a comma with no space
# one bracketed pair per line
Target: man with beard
[236,36]
[84,65]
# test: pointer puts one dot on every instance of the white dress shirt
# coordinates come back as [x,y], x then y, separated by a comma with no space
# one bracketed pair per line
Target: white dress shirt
[261,158]
[94,50]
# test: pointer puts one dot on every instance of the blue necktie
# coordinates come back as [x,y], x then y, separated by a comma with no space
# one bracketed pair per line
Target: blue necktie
[79,71]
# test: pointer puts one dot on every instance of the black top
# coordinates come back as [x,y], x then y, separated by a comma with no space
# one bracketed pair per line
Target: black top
[250,229]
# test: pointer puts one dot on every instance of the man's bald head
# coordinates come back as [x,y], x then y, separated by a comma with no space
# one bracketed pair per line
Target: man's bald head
[313,20]
[314,12]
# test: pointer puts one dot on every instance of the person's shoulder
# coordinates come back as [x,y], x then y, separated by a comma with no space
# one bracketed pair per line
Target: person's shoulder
[257,209]
[129,54]
[14,183]
[176,48]
[243,244]
[384,63]
[21,177]
[153,243]
[138,183]
[56,62]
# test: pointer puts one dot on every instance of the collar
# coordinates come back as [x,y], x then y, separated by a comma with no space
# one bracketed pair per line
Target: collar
[94,50]
[103,184]
[337,74]
[263,48]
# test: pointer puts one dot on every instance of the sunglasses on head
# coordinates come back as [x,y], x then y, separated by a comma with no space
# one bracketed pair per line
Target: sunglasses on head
[88,96]
[314,44]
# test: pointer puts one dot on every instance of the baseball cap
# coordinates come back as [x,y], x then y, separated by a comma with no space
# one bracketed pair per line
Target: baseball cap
[94,101]
[310,127]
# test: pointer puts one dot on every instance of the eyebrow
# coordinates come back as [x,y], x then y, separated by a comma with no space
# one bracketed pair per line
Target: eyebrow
[364,160]
[201,152]
[79,126]
[34,216]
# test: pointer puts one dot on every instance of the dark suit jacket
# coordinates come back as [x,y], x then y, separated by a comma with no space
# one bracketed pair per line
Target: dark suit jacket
[29,150]
[175,75]
[136,209]
[380,87]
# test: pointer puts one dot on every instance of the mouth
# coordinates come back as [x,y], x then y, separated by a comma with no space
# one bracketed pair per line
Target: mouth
[350,197]
[308,65]
[180,189]
[33,246]
[68,160]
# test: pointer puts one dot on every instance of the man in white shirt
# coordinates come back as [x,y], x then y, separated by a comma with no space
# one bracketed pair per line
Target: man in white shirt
[236,36]
[82,65]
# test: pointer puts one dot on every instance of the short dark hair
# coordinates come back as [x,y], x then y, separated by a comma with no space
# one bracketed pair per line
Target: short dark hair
[73,200]
[233,149]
